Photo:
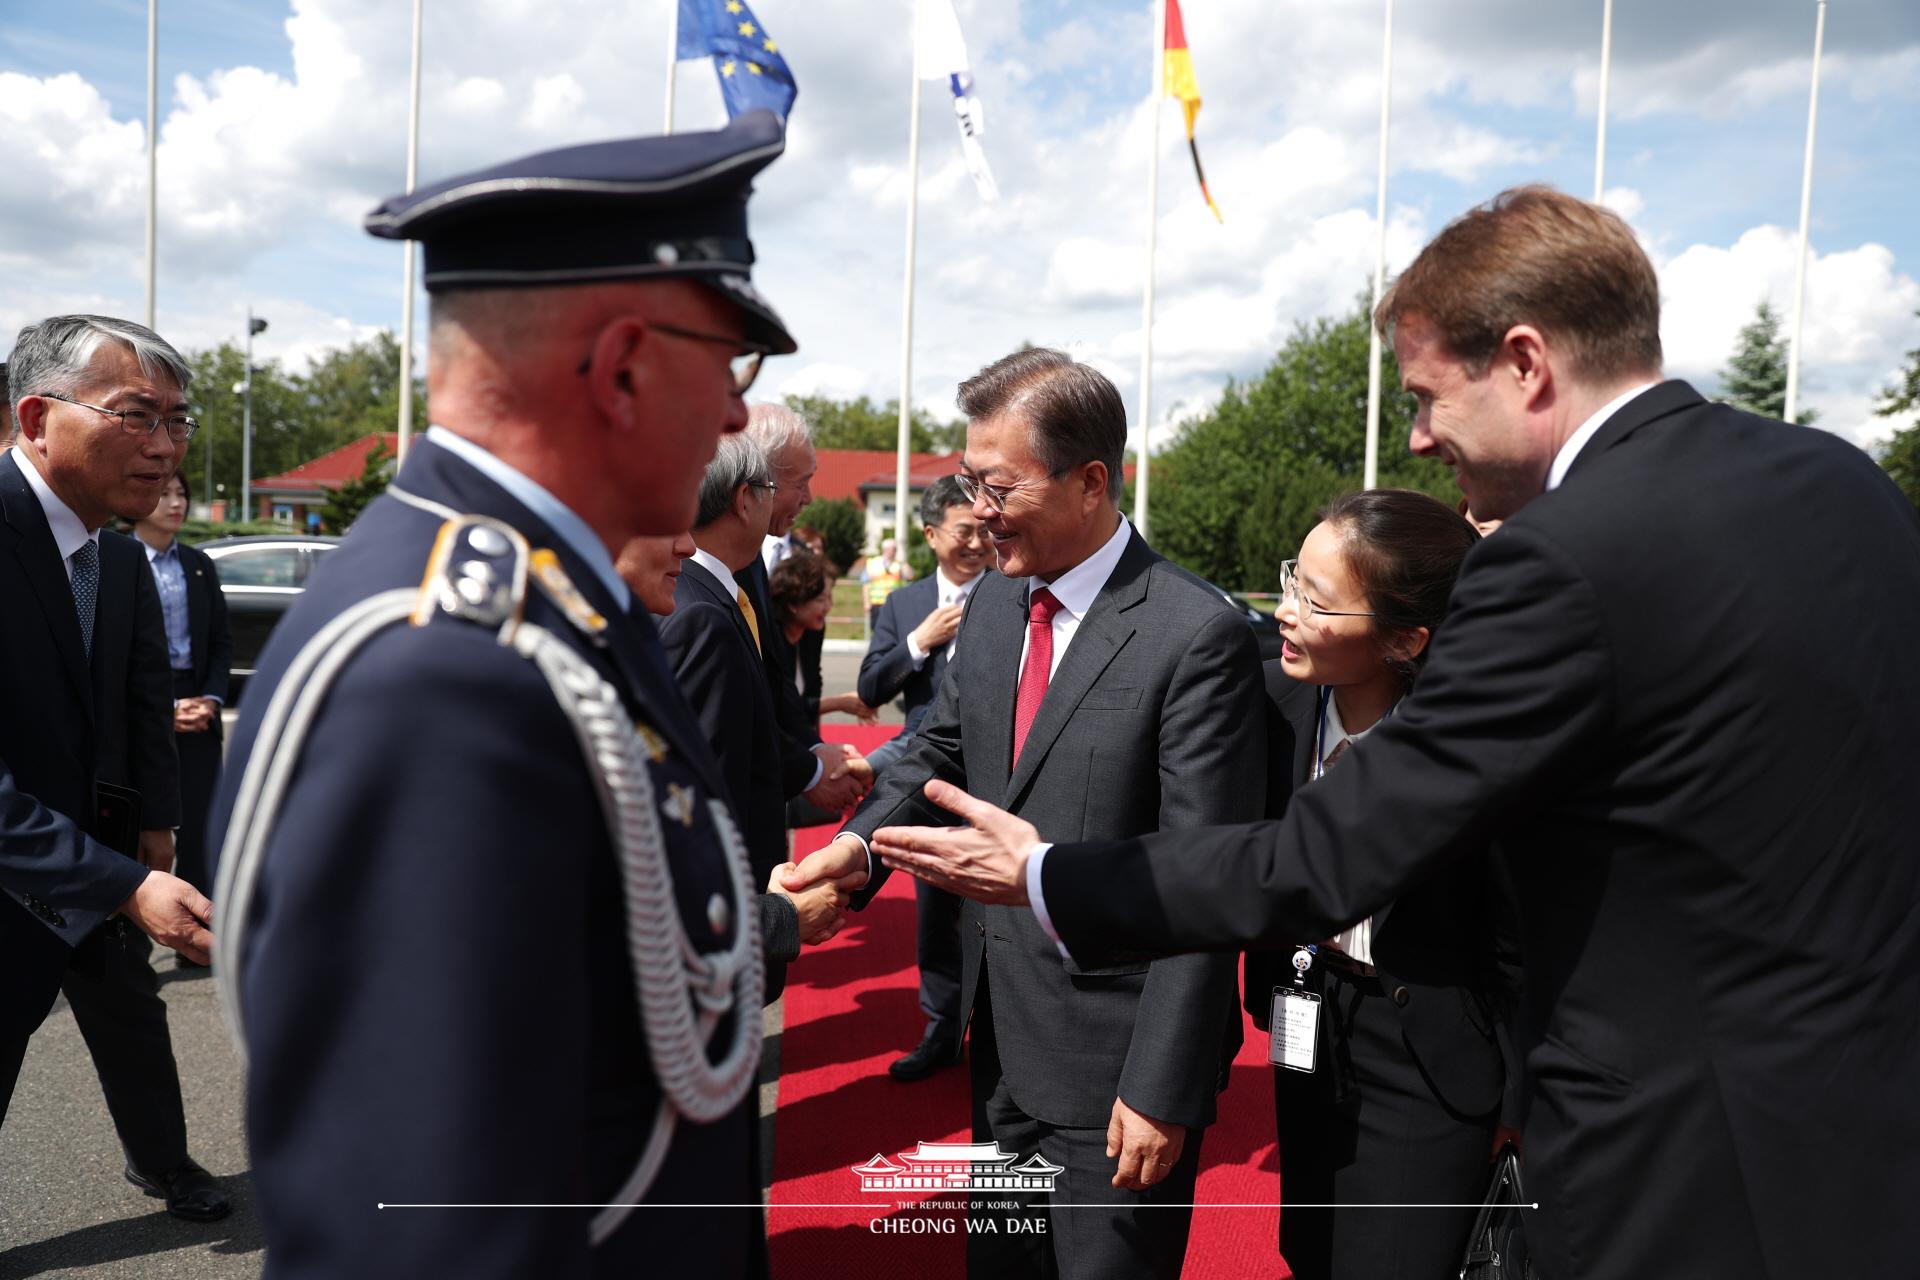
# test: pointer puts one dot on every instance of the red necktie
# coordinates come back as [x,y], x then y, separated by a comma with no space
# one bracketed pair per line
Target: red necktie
[1041,606]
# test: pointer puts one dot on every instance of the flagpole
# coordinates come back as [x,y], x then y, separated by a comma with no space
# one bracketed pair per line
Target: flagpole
[1371,470]
[406,306]
[906,303]
[673,57]
[153,152]
[1159,88]
[1606,69]
[1806,210]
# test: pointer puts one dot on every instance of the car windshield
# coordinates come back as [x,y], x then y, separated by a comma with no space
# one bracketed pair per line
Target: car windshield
[264,567]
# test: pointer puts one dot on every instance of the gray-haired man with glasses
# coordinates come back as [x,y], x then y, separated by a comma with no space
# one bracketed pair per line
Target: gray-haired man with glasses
[89,786]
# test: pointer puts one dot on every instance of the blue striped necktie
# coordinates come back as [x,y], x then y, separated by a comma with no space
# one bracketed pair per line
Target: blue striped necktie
[86,590]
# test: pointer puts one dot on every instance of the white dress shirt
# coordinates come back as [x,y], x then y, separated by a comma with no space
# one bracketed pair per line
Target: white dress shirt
[773,550]
[68,531]
[1357,942]
[1563,460]
[947,592]
[1076,590]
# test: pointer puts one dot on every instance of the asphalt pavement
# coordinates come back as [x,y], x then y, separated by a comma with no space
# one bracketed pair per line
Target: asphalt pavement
[65,1206]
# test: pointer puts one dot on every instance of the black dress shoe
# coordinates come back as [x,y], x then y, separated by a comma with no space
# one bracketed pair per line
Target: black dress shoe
[927,1057]
[190,1191]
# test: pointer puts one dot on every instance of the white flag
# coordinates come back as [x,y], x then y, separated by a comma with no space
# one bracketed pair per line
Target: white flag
[941,54]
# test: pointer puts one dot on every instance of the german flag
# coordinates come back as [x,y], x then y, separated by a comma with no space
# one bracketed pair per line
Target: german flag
[1182,85]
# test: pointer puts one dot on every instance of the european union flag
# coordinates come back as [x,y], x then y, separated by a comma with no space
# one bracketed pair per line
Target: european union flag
[753,74]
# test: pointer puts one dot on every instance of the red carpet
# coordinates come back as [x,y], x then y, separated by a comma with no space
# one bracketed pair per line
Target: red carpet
[851,1008]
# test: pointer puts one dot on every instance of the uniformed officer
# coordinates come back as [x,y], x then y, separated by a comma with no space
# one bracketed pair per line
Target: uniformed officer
[485,927]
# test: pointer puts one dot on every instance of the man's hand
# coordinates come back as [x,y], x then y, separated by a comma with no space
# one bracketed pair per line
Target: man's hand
[842,863]
[986,861]
[1147,1148]
[846,776]
[156,850]
[938,627]
[194,715]
[172,913]
[819,907]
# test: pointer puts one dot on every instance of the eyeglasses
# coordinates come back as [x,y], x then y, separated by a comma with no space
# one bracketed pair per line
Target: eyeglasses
[138,422]
[1290,587]
[768,485]
[996,495]
[745,366]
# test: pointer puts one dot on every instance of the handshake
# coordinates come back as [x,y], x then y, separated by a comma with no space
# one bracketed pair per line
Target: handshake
[845,778]
[819,886]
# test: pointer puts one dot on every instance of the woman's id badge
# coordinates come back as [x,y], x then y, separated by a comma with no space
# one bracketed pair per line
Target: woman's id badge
[1295,1029]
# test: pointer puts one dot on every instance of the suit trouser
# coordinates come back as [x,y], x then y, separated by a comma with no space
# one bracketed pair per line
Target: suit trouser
[200,756]
[1093,1230]
[115,997]
[937,948]
[1367,1129]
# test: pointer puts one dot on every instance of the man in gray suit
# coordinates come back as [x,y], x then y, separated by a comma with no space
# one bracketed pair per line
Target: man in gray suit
[1101,690]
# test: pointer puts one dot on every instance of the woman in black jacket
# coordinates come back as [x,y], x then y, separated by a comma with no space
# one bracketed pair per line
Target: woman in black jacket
[200,648]
[1405,1097]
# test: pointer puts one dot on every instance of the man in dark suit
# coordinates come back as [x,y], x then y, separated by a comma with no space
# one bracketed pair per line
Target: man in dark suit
[86,726]
[505,819]
[912,642]
[1675,690]
[835,775]
[713,644]
[1099,691]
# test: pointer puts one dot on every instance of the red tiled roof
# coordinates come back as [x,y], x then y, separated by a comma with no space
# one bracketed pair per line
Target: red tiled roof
[331,470]
[843,473]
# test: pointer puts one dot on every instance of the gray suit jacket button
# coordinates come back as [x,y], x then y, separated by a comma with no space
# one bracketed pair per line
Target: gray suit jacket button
[1401,996]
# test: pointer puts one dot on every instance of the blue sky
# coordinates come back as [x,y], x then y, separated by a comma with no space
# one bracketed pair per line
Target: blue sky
[282,124]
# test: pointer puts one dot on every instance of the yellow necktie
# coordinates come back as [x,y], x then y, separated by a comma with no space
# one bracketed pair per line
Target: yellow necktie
[753,624]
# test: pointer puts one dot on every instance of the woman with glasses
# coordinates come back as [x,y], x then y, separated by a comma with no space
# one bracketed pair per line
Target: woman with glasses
[1404,1096]
[200,648]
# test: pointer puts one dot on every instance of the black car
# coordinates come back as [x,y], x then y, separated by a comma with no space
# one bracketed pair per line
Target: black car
[1266,630]
[261,577]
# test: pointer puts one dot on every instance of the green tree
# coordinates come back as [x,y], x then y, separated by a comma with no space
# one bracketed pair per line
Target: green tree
[1236,491]
[1756,378]
[348,393]
[345,503]
[1900,455]
[862,424]
[842,523]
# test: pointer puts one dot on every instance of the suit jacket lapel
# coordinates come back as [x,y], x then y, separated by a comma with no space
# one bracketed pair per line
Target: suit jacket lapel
[1304,713]
[40,563]
[995,622]
[698,576]
[198,604]
[1099,637]
[1654,403]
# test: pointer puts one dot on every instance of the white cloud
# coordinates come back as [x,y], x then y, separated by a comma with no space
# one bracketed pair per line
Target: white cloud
[1859,318]
[264,175]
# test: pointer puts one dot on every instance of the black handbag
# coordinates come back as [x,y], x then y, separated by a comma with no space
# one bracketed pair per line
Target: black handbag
[1497,1248]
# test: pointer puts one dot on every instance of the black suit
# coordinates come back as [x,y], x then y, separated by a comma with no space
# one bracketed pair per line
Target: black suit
[66,722]
[799,728]
[1678,692]
[888,672]
[711,653]
[1411,1074]
[200,752]
[1152,721]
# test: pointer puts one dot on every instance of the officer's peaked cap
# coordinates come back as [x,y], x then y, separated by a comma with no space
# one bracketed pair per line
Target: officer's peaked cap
[631,209]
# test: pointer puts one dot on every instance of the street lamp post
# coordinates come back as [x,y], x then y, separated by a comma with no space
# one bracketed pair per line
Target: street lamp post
[254,325]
